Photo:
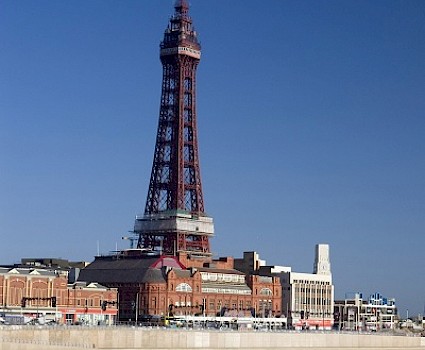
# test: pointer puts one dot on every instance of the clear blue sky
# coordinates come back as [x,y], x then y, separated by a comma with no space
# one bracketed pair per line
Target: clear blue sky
[311,125]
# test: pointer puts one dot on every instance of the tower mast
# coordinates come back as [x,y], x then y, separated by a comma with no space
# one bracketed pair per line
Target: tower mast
[174,220]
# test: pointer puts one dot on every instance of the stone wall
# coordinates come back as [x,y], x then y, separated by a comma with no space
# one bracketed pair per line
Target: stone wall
[77,338]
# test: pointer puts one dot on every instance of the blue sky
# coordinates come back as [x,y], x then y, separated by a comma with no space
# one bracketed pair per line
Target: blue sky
[311,125]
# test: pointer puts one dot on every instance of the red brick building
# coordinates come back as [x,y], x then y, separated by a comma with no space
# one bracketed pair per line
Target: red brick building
[44,294]
[164,285]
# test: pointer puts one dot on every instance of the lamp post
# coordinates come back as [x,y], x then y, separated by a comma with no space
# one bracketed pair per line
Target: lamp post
[137,306]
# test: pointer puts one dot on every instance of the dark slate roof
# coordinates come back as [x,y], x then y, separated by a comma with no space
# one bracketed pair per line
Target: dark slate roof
[110,270]
[154,276]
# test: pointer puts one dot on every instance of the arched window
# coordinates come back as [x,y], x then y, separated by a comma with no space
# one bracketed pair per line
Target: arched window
[183,287]
[266,291]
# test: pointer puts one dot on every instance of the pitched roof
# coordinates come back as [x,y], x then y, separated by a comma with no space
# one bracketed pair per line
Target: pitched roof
[154,276]
[112,269]
[27,271]
[169,261]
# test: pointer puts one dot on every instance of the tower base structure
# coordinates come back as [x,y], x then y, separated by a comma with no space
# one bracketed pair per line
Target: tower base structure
[175,232]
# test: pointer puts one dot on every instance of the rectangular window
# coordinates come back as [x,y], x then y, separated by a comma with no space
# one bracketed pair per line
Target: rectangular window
[69,318]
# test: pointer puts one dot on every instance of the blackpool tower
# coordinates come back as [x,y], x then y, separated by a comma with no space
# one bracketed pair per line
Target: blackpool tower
[174,221]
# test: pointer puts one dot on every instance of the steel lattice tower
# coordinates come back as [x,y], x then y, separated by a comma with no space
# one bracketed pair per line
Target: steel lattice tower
[174,220]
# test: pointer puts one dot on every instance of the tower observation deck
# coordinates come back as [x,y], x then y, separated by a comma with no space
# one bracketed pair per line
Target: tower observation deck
[174,220]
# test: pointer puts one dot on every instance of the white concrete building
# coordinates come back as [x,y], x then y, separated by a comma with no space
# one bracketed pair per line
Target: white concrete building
[373,314]
[307,298]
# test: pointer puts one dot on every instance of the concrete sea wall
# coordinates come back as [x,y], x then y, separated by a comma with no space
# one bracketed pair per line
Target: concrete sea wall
[76,338]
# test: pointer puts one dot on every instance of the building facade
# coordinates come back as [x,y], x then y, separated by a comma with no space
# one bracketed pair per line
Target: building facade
[307,298]
[372,314]
[154,286]
[43,295]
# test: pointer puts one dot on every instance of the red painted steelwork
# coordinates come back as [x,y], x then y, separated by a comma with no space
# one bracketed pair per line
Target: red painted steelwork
[175,183]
